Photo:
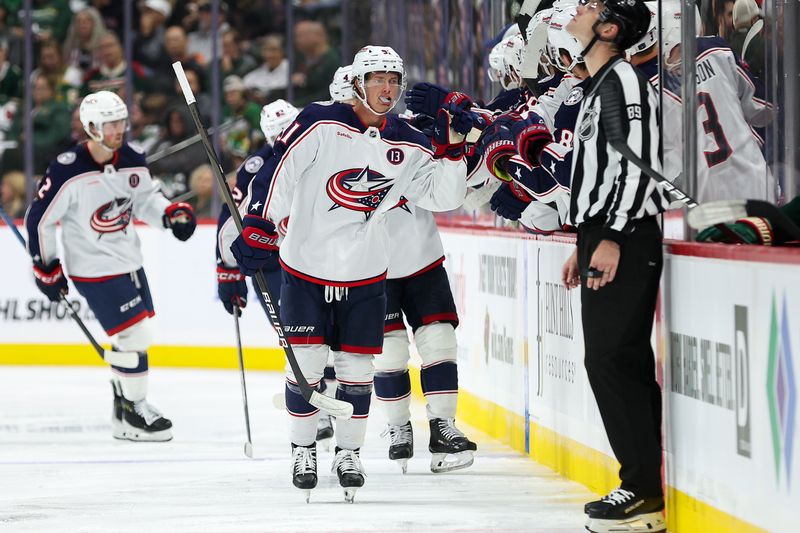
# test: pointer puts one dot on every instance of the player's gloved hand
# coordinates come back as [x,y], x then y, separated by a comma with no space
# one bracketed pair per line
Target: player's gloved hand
[749,230]
[510,200]
[531,136]
[257,246]
[179,217]
[424,123]
[50,279]
[426,98]
[453,122]
[231,288]
[498,144]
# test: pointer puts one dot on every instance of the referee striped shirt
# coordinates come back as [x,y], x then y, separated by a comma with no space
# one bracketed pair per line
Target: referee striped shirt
[606,189]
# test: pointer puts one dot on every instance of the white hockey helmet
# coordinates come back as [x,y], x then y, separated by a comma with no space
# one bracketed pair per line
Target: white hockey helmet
[98,109]
[497,68]
[341,88]
[513,58]
[275,117]
[377,59]
[558,38]
[651,36]
[671,18]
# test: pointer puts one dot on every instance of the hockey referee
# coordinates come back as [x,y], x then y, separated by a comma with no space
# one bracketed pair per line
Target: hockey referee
[618,258]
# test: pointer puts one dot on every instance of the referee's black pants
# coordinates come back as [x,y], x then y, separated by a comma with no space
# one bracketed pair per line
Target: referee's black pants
[620,364]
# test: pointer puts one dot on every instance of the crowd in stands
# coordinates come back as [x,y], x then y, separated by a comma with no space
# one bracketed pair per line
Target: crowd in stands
[79,49]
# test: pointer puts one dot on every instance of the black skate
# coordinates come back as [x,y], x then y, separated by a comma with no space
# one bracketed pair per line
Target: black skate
[450,448]
[325,430]
[623,511]
[401,445]
[304,468]
[138,421]
[347,465]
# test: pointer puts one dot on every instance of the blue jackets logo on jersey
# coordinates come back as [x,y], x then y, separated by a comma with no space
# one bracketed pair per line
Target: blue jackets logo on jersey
[358,189]
[112,216]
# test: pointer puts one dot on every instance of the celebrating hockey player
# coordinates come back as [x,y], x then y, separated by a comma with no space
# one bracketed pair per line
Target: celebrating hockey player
[338,169]
[94,191]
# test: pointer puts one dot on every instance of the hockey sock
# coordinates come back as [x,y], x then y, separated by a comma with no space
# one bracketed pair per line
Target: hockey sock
[393,390]
[303,424]
[440,387]
[350,433]
[133,380]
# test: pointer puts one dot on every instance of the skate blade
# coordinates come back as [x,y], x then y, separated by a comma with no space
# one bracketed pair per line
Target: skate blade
[308,495]
[444,462]
[325,444]
[402,463]
[350,494]
[143,436]
[649,523]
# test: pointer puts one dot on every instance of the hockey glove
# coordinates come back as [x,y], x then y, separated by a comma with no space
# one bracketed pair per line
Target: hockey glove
[231,287]
[750,230]
[426,98]
[50,279]
[531,136]
[453,122]
[257,247]
[509,201]
[179,217]
[497,143]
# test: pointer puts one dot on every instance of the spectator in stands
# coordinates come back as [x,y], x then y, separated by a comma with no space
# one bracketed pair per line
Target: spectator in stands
[11,35]
[201,182]
[113,14]
[318,63]
[148,47]
[202,39]
[65,79]
[77,134]
[110,75]
[10,76]
[83,39]
[174,169]
[175,44]
[12,194]
[747,39]
[232,62]
[51,19]
[269,81]
[245,116]
[725,19]
[51,127]
[144,133]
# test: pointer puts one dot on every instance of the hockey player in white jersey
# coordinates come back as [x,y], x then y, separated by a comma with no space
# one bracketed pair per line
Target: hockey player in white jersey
[94,191]
[338,169]
[730,103]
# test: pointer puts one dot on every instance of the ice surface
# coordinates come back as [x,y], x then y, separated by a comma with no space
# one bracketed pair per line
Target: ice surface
[60,470]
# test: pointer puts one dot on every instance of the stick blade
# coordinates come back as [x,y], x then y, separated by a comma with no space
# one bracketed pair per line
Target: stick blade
[121,359]
[248,449]
[332,406]
[719,212]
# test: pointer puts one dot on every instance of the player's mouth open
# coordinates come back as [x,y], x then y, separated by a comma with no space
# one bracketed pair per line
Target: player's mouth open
[385,100]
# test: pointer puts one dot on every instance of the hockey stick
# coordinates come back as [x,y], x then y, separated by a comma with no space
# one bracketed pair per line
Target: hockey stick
[177,147]
[248,446]
[727,211]
[333,406]
[114,358]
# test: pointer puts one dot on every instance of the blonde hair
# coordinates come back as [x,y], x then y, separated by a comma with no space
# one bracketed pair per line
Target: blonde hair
[72,42]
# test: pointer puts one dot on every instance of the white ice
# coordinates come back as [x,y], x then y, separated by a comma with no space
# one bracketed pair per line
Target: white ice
[60,469]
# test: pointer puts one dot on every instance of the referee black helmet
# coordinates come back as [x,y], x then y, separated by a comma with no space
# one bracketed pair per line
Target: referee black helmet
[632,17]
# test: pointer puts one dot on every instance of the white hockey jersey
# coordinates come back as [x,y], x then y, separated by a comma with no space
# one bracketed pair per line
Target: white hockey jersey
[95,204]
[415,241]
[336,178]
[729,104]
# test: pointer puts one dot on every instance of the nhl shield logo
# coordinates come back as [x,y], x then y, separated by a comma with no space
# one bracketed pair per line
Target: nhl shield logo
[587,128]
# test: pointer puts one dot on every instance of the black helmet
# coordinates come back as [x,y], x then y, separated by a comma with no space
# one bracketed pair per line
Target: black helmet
[632,17]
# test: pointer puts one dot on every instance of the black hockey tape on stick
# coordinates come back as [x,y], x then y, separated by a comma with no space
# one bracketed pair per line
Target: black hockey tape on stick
[333,406]
[114,358]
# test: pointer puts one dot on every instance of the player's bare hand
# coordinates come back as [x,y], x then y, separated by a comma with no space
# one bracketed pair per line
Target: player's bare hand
[569,272]
[605,260]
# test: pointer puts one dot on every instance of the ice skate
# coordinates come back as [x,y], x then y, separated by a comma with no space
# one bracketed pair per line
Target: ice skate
[623,511]
[304,468]
[451,449]
[325,431]
[401,445]
[138,421]
[348,468]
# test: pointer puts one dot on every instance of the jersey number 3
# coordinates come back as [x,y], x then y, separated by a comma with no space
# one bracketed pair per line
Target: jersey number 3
[712,126]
